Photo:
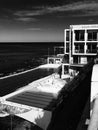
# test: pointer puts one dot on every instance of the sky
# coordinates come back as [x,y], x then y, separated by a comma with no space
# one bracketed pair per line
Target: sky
[43,20]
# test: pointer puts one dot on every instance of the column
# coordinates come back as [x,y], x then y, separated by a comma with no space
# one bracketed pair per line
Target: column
[65,42]
[85,46]
[70,43]
[73,39]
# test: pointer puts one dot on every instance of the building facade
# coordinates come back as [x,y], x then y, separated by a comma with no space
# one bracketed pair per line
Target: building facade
[81,43]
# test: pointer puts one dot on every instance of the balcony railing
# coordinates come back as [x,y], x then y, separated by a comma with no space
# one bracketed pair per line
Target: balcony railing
[92,39]
[79,51]
[82,39]
[91,51]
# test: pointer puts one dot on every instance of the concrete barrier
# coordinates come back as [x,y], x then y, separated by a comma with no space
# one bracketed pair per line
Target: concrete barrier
[93,124]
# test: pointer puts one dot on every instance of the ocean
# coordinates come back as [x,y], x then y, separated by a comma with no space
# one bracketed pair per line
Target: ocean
[22,56]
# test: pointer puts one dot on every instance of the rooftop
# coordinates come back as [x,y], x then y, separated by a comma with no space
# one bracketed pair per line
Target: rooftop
[83,26]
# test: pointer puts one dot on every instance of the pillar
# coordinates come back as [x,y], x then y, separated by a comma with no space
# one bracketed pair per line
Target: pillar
[85,46]
[65,42]
[73,39]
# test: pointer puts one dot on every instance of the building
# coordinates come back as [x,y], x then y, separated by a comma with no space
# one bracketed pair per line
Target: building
[80,47]
[57,57]
[80,44]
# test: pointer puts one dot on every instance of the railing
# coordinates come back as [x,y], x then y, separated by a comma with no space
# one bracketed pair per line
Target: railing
[92,39]
[79,39]
[79,51]
[91,51]
[76,81]
[69,101]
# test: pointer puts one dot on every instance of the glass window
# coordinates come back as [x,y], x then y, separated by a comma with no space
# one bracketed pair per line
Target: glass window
[79,48]
[65,59]
[51,61]
[92,36]
[91,48]
[76,48]
[75,59]
[67,35]
[79,35]
[82,48]
[59,50]
[67,47]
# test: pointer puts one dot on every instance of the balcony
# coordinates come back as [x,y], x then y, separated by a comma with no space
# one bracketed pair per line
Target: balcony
[79,47]
[79,35]
[79,51]
[92,39]
[92,36]
[91,51]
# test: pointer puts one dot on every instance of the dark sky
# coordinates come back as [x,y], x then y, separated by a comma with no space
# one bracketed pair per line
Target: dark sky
[43,20]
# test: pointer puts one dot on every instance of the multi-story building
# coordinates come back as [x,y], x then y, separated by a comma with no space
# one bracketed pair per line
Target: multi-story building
[80,47]
[81,43]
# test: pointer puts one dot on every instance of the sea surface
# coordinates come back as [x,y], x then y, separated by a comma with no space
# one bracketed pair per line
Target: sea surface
[17,57]
[35,48]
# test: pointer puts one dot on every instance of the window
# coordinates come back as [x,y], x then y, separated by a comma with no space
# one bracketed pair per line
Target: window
[79,48]
[82,48]
[92,36]
[67,35]
[65,70]
[65,59]
[79,35]
[91,48]
[75,59]
[94,50]
[58,50]
[51,61]
[67,47]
